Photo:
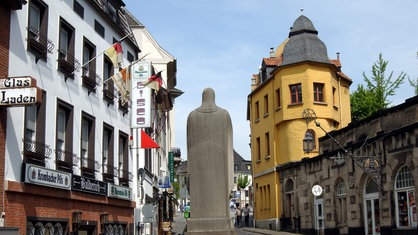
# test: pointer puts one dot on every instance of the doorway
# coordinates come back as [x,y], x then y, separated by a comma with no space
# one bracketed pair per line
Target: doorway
[319,215]
[371,209]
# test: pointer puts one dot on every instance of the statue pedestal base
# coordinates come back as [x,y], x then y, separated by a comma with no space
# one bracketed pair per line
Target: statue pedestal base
[211,226]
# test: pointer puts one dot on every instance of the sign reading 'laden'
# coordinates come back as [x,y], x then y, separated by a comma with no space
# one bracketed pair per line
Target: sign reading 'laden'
[20,96]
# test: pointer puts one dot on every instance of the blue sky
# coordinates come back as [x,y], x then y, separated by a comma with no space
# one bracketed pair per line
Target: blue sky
[221,43]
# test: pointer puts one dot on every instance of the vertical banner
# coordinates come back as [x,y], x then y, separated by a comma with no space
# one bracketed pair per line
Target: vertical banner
[171,165]
[140,95]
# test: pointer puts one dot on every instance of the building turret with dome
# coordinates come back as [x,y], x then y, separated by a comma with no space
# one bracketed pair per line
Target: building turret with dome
[298,75]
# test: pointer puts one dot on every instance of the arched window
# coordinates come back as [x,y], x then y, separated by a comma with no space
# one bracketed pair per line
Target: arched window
[49,229]
[289,186]
[406,211]
[341,190]
[342,201]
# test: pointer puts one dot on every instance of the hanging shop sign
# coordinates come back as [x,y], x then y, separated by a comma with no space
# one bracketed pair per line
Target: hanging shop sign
[20,96]
[87,185]
[140,95]
[16,91]
[164,182]
[120,192]
[171,165]
[47,177]
[17,82]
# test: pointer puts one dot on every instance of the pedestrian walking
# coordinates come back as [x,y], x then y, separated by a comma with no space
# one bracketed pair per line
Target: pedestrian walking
[246,213]
[238,216]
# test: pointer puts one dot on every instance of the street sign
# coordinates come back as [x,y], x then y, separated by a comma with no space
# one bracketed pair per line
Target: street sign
[20,96]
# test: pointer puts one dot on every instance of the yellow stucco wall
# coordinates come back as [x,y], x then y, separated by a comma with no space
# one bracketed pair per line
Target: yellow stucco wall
[285,126]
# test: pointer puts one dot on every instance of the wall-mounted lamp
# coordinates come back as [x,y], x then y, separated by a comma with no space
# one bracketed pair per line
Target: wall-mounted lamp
[308,142]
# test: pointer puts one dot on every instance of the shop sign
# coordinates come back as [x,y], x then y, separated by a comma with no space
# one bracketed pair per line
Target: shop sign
[119,192]
[171,165]
[47,177]
[140,95]
[17,82]
[164,182]
[87,185]
[20,96]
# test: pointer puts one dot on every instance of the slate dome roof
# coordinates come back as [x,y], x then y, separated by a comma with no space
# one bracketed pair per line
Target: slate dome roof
[304,44]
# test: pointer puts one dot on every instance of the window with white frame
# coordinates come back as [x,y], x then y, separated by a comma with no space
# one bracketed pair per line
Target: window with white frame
[406,211]
[84,141]
[30,122]
[61,126]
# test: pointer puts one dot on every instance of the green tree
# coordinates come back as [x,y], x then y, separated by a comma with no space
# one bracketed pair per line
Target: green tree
[414,84]
[361,103]
[375,94]
[176,189]
[242,183]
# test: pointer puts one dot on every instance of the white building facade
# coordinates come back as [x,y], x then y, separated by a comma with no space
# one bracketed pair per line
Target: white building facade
[68,167]
[156,165]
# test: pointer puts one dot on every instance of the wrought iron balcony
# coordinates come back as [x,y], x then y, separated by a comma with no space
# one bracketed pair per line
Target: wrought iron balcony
[89,167]
[124,177]
[176,151]
[90,79]
[109,173]
[66,160]
[123,107]
[36,152]
[39,44]
[67,63]
[109,91]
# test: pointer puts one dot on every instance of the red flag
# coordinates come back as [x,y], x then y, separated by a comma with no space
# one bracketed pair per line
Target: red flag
[147,142]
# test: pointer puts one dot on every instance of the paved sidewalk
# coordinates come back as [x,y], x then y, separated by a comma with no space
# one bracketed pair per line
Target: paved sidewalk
[179,225]
[266,231]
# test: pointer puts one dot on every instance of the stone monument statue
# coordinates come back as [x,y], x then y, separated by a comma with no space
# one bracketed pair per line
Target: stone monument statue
[210,161]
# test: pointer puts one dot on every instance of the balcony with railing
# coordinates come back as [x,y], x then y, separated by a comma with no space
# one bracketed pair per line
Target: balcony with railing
[35,152]
[109,91]
[66,160]
[39,44]
[123,107]
[67,63]
[109,173]
[124,177]
[90,79]
[89,167]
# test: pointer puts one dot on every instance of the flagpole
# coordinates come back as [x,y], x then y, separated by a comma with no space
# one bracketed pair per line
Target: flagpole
[123,38]
[134,62]
[120,40]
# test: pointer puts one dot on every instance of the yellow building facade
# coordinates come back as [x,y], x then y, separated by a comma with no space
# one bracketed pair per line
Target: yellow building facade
[297,76]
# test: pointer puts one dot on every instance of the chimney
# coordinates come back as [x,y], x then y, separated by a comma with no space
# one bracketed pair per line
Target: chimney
[272,54]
